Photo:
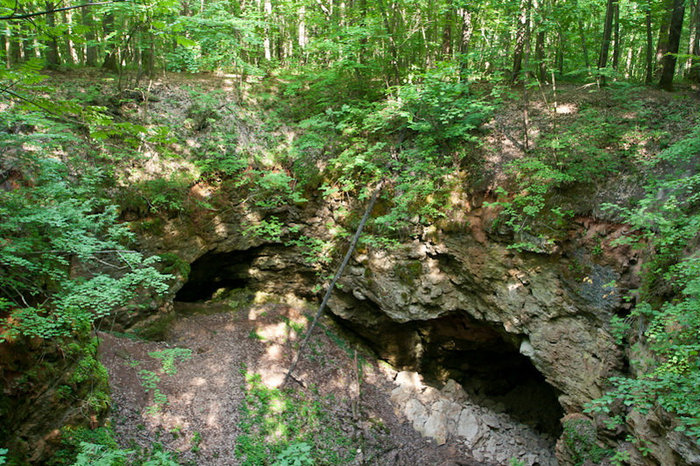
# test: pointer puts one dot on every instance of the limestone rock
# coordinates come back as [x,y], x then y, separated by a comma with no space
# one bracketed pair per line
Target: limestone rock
[450,413]
[468,426]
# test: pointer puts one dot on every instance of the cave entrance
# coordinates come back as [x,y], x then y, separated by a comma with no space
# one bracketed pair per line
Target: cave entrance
[482,357]
[269,268]
[487,362]
[214,271]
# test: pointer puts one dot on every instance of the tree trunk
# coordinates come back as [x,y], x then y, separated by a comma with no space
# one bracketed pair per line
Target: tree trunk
[110,63]
[7,46]
[560,52]
[465,37]
[662,44]
[148,54]
[395,78]
[584,46]
[52,43]
[267,41]
[607,34]
[649,78]
[694,72]
[674,40]
[90,45]
[539,57]
[302,39]
[688,62]
[522,39]
[446,49]
[71,54]
[616,36]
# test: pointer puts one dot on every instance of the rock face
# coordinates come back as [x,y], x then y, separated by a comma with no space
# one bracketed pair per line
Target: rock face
[556,317]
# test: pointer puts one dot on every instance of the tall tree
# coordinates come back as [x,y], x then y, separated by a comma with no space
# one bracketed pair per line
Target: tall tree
[52,44]
[91,50]
[616,35]
[607,35]
[466,28]
[694,71]
[649,55]
[662,43]
[522,39]
[674,40]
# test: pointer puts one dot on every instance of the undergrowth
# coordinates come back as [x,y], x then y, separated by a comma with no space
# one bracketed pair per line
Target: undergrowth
[287,427]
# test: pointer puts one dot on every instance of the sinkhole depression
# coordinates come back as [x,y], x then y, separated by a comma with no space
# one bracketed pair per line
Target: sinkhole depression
[481,356]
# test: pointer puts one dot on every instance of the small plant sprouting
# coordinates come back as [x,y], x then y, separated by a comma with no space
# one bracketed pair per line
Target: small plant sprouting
[169,357]
[150,380]
[196,440]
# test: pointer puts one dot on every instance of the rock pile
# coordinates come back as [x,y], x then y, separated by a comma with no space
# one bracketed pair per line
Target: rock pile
[449,414]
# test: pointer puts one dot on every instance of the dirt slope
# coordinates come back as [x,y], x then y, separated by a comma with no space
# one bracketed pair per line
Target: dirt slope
[201,418]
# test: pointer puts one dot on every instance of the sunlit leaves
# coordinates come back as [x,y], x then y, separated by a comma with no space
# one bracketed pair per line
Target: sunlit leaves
[63,263]
[668,220]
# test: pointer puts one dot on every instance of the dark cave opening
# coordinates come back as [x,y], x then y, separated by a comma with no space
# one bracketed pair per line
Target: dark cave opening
[484,359]
[214,271]
[270,268]
[487,362]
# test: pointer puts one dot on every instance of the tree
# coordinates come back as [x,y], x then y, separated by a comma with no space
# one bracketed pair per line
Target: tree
[694,71]
[607,34]
[674,39]
[522,39]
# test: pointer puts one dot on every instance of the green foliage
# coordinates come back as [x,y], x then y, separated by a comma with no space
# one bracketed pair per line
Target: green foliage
[73,438]
[99,455]
[582,153]
[667,218]
[169,357]
[296,454]
[270,229]
[577,157]
[417,138]
[314,250]
[219,159]
[287,428]
[50,227]
[273,189]
[166,196]
[579,439]
[150,380]
[196,440]
[83,447]
[172,264]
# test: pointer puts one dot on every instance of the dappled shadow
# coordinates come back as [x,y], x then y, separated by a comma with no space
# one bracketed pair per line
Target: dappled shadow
[201,419]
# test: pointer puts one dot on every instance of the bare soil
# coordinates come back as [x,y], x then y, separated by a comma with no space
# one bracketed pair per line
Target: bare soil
[204,397]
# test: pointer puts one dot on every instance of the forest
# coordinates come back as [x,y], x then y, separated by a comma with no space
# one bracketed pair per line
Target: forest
[562,137]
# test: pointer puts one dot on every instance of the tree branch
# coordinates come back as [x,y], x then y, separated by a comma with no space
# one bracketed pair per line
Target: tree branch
[46,12]
[329,291]
[38,105]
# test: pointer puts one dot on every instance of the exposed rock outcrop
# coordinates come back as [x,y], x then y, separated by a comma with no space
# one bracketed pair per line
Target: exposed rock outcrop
[454,301]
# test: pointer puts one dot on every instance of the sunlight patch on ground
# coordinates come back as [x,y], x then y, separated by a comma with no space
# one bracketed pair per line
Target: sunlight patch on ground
[271,377]
[198,381]
[566,109]
[275,332]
